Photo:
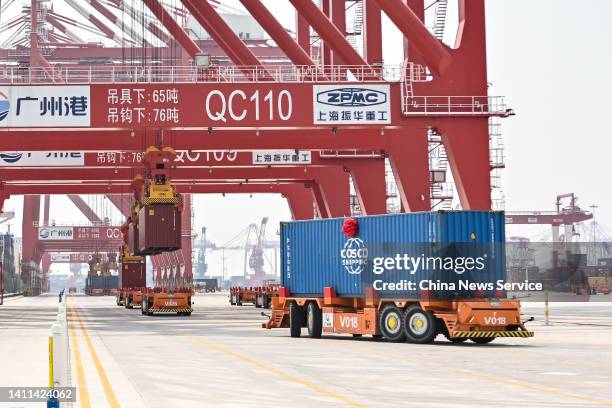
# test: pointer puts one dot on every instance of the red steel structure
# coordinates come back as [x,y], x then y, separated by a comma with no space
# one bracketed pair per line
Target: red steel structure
[312,90]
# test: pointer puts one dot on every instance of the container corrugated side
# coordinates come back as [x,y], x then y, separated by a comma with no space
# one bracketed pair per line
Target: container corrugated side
[312,251]
[159,229]
[132,275]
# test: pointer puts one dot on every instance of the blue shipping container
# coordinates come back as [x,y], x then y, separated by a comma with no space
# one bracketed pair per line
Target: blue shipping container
[396,254]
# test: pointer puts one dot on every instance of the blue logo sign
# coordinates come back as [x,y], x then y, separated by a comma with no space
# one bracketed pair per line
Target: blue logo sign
[352,97]
[4,106]
[11,157]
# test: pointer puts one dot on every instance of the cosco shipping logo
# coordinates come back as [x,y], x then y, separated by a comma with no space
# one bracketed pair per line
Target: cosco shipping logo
[354,256]
[352,97]
[5,106]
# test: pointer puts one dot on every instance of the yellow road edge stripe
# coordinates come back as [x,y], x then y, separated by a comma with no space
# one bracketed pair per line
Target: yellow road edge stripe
[83,393]
[277,372]
[492,378]
[108,390]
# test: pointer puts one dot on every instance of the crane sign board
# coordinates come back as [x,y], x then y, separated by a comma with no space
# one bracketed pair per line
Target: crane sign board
[45,106]
[54,233]
[42,159]
[197,105]
[351,105]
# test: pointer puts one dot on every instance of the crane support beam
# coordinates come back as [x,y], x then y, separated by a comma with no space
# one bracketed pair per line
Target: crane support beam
[223,35]
[118,22]
[334,188]
[173,27]
[108,32]
[435,54]
[238,139]
[372,34]
[302,29]
[370,185]
[330,34]
[46,208]
[123,202]
[31,214]
[58,24]
[409,158]
[84,208]
[182,175]
[467,146]
[270,24]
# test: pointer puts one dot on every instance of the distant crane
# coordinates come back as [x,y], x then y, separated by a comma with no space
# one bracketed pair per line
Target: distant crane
[252,240]
[256,257]
[564,215]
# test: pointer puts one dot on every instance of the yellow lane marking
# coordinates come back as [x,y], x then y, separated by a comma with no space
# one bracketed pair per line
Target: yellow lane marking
[276,371]
[83,393]
[487,377]
[108,390]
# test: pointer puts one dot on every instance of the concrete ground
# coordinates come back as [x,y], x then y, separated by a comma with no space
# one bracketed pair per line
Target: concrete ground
[219,357]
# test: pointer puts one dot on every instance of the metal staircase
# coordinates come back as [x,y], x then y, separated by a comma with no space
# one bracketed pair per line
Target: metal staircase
[357,25]
[441,191]
[440,19]
[497,162]
[393,197]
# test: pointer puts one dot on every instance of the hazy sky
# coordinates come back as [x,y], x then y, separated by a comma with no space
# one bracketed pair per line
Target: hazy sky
[552,61]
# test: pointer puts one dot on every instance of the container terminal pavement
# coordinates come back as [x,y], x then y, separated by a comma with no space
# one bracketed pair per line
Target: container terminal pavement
[221,357]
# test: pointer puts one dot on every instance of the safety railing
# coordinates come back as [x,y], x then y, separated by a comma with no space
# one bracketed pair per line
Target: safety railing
[455,105]
[192,74]
[89,224]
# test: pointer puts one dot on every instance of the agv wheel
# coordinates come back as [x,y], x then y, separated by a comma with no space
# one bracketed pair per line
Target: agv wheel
[419,325]
[314,320]
[296,320]
[391,323]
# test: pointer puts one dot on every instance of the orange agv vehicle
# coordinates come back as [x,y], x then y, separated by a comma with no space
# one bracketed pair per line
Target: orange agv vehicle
[241,295]
[160,300]
[399,277]
[480,320]
[265,294]
[259,296]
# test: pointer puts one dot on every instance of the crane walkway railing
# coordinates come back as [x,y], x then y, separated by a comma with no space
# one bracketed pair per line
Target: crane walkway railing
[192,74]
[455,106]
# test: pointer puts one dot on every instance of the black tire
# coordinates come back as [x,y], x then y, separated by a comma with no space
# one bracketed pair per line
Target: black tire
[314,320]
[147,312]
[420,326]
[456,339]
[296,320]
[391,323]
[482,340]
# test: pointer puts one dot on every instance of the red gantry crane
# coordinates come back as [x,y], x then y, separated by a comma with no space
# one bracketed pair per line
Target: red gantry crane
[248,107]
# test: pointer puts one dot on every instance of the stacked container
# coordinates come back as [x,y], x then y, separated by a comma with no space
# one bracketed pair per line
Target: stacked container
[316,253]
